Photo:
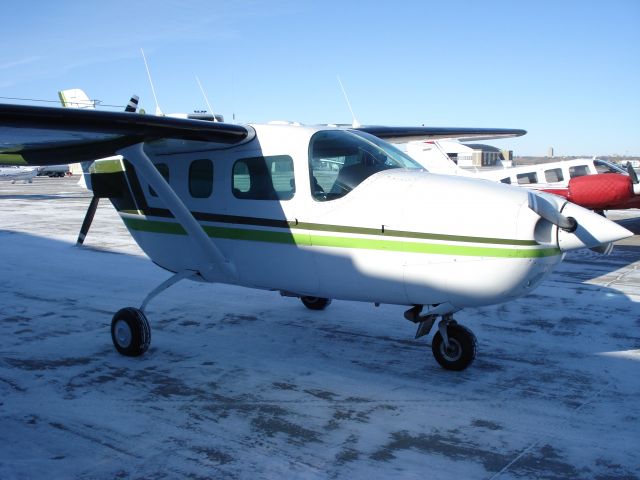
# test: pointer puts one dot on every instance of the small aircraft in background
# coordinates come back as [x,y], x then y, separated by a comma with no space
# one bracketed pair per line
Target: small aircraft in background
[15,173]
[315,212]
[589,182]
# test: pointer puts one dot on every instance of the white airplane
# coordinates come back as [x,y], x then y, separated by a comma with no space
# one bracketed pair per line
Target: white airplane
[589,182]
[311,211]
[15,173]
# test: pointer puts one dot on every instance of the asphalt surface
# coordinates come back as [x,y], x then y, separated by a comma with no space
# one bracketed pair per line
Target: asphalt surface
[246,384]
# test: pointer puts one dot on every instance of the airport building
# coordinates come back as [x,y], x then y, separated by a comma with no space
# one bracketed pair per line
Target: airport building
[477,155]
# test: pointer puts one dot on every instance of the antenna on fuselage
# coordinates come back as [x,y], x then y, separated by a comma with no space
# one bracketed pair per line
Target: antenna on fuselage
[153,90]
[206,100]
[355,123]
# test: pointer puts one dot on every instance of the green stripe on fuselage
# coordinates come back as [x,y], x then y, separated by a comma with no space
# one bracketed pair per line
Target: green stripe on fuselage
[398,244]
[317,227]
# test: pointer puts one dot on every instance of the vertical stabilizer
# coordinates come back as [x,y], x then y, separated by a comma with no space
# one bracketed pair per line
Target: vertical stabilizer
[432,156]
[76,98]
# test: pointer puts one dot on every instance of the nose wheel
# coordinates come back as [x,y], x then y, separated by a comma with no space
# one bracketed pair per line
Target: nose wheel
[458,350]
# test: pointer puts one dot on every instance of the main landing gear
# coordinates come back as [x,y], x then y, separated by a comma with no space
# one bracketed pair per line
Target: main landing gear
[312,303]
[130,329]
[315,303]
[130,332]
[454,346]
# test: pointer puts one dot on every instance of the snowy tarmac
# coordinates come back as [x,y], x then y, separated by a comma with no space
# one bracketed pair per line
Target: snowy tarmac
[246,384]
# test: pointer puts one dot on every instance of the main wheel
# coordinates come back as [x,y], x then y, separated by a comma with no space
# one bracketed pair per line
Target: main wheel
[461,351]
[315,303]
[130,332]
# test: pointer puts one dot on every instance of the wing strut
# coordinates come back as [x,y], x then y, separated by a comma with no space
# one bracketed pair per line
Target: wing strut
[213,261]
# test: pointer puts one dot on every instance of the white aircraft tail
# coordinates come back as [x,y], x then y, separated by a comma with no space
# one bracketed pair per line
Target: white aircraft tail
[432,156]
[76,98]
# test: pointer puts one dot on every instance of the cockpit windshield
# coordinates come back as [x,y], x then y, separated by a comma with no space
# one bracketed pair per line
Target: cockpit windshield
[602,166]
[341,160]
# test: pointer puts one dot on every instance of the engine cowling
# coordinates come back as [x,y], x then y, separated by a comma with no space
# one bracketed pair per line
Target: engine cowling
[600,192]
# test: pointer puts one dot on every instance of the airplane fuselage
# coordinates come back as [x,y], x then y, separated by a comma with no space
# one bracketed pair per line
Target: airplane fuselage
[389,240]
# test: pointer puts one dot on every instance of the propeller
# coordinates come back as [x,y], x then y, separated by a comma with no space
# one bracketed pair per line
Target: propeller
[549,212]
[88,219]
[634,178]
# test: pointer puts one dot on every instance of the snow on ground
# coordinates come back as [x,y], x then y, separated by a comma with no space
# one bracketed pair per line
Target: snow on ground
[246,384]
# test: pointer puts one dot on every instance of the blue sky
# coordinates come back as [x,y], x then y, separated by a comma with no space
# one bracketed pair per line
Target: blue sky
[566,71]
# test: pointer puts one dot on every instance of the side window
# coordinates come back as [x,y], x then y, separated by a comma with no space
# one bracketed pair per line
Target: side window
[527,178]
[264,178]
[506,180]
[578,171]
[163,168]
[553,175]
[201,178]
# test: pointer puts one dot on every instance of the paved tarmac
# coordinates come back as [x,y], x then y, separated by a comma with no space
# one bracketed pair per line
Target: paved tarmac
[246,384]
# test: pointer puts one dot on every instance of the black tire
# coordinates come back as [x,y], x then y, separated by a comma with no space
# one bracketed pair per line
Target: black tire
[130,332]
[315,303]
[462,348]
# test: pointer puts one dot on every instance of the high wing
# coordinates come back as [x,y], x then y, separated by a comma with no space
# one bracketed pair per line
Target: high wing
[407,134]
[31,135]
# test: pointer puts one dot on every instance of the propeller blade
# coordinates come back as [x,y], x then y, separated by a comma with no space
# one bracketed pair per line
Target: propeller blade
[604,249]
[634,179]
[88,219]
[549,212]
[632,173]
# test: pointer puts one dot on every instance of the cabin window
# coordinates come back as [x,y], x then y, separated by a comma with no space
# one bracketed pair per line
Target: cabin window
[163,168]
[264,178]
[527,178]
[553,175]
[201,178]
[339,161]
[578,171]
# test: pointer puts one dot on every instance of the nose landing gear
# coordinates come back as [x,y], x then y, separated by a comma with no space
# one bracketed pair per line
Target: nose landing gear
[454,346]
